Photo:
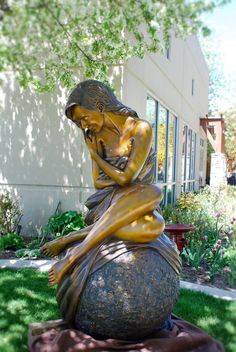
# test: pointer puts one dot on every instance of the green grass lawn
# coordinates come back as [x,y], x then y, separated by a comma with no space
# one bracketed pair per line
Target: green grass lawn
[26,298]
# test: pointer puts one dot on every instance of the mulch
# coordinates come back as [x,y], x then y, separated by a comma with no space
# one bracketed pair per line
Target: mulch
[201,276]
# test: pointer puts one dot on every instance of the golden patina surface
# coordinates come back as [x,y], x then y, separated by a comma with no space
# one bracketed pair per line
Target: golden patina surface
[126,202]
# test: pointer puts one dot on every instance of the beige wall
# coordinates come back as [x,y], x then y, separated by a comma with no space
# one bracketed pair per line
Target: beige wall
[42,156]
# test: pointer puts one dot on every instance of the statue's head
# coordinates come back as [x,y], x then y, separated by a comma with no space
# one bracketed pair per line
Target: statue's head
[92,98]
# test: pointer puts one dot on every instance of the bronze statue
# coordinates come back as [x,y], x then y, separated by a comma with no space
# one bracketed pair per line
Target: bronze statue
[119,277]
[126,203]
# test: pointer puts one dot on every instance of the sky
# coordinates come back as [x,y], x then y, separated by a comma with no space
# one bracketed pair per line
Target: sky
[222,23]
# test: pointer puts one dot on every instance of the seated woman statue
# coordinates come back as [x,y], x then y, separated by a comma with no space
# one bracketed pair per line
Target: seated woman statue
[126,202]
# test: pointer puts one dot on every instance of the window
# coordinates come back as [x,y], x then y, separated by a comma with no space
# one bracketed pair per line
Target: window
[161,141]
[184,154]
[151,117]
[193,87]
[164,126]
[201,163]
[167,52]
[171,166]
[188,159]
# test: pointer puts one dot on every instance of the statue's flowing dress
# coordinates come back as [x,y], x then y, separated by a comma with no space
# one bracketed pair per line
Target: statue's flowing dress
[71,287]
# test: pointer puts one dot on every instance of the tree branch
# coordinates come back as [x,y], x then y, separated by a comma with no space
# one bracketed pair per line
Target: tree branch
[66,32]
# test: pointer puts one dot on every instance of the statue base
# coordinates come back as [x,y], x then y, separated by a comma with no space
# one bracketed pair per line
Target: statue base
[56,336]
[128,297]
[128,292]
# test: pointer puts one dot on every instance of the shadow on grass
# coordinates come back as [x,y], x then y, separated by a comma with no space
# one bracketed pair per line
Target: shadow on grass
[24,298]
[215,316]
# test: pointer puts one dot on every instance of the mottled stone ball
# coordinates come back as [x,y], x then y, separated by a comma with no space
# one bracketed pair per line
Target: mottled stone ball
[129,297]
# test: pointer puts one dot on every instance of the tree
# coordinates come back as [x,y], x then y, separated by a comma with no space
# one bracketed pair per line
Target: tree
[217,93]
[230,138]
[47,43]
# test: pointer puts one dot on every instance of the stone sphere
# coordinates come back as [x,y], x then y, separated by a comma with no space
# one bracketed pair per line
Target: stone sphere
[129,297]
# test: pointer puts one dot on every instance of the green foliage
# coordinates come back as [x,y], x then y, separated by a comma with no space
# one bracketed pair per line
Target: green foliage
[194,253]
[28,253]
[187,201]
[218,92]
[50,42]
[10,213]
[216,261]
[230,138]
[231,264]
[212,243]
[11,241]
[62,224]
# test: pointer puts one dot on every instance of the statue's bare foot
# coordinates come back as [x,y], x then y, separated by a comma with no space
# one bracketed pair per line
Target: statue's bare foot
[53,248]
[61,268]
[57,272]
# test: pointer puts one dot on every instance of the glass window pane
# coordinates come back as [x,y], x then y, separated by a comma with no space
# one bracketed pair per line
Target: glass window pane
[189,144]
[193,156]
[183,153]
[163,202]
[162,120]
[173,193]
[151,117]
[171,149]
[169,195]
[201,162]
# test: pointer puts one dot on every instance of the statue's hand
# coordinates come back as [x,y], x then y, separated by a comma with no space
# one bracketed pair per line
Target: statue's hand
[91,144]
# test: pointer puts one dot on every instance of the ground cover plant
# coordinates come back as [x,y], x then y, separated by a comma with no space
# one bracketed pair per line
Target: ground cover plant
[59,224]
[26,298]
[211,247]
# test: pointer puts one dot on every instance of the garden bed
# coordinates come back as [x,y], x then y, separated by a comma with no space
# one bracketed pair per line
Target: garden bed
[201,276]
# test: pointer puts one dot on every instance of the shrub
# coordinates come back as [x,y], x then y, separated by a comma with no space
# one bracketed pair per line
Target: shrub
[10,214]
[188,201]
[231,264]
[28,253]
[212,243]
[11,241]
[62,224]
[194,253]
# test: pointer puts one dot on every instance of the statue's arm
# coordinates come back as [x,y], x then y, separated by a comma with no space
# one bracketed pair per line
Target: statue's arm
[98,183]
[142,137]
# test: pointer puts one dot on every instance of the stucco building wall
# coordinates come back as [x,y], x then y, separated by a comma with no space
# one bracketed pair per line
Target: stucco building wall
[43,157]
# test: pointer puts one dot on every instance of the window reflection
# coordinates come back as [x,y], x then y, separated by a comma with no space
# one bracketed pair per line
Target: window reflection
[164,125]
[162,122]
[188,159]
[151,117]
[171,149]
[189,143]
[183,153]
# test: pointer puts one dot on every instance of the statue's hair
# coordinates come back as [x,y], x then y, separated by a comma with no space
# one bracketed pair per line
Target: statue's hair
[88,93]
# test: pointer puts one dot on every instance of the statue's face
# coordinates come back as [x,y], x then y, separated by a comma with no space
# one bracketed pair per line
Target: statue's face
[87,119]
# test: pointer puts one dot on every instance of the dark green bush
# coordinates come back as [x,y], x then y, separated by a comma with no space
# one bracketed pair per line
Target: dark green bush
[11,241]
[62,224]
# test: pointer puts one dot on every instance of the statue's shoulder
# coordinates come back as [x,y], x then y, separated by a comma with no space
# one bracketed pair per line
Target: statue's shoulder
[142,126]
